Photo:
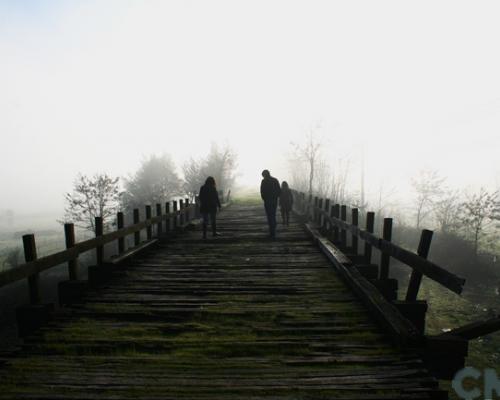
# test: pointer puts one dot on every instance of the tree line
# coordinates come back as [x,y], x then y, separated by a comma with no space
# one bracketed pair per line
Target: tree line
[156,181]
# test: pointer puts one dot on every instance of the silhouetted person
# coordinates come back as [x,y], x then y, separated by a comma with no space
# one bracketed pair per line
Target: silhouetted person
[270,192]
[209,203]
[286,202]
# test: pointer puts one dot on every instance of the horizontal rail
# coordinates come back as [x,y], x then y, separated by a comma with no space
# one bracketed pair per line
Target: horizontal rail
[413,260]
[43,263]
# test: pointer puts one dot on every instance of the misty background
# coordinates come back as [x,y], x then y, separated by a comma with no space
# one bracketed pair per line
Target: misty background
[96,86]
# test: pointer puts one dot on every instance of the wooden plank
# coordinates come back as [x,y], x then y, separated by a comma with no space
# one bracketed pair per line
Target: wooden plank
[475,329]
[416,276]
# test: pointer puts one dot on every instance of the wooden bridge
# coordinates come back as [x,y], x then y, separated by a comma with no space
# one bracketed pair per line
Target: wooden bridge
[234,317]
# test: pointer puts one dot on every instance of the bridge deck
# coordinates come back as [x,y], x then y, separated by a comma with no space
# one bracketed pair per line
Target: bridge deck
[237,317]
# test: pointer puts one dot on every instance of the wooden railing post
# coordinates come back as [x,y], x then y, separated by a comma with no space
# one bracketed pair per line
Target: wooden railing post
[354,221]
[99,230]
[327,210]
[416,277]
[159,226]
[69,236]
[343,232]
[315,212]
[197,206]
[174,222]
[181,216]
[188,216]
[137,235]
[370,224]
[149,229]
[385,258]
[120,224]
[167,220]
[336,214]
[319,217]
[33,280]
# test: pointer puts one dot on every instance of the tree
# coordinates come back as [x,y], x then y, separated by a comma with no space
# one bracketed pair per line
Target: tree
[96,196]
[309,151]
[447,212]
[428,186]
[156,181]
[478,212]
[12,257]
[219,163]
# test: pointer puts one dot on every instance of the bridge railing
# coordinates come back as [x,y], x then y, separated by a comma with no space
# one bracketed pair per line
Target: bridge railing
[182,213]
[334,219]
[404,319]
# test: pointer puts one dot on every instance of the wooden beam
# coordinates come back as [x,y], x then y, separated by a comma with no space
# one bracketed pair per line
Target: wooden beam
[416,276]
[385,258]
[69,236]
[475,329]
[370,224]
[30,254]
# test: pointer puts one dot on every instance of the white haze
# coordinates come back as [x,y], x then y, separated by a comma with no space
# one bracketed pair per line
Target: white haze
[90,86]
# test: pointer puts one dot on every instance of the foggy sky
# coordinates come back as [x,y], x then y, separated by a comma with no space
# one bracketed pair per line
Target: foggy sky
[94,86]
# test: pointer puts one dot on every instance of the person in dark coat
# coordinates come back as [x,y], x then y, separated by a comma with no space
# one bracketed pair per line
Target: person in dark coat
[209,203]
[270,192]
[286,202]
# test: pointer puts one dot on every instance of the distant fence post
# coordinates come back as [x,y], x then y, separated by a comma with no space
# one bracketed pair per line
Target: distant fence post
[188,211]
[327,210]
[320,216]
[99,230]
[181,215]
[370,224]
[343,232]
[336,214]
[385,258]
[120,224]
[197,207]
[174,222]
[69,236]
[137,235]
[167,221]
[354,238]
[33,280]
[149,229]
[159,226]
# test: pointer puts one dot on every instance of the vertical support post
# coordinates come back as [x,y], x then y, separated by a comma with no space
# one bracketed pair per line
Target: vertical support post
[315,213]
[33,280]
[320,217]
[416,277]
[181,208]
[385,258]
[120,224]
[99,250]
[197,206]
[188,216]
[69,236]
[355,222]
[159,226]
[175,216]
[343,232]
[327,210]
[137,235]
[370,224]
[336,214]
[149,229]
[167,221]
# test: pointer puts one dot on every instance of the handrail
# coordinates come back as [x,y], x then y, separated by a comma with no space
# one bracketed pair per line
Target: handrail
[43,263]
[413,260]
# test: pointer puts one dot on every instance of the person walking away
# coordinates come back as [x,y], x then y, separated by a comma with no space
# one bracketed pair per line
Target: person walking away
[286,202]
[209,203]
[270,192]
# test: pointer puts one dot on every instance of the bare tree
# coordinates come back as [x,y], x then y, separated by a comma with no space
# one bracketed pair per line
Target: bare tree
[309,152]
[221,164]
[156,181]
[428,186]
[96,196]
[447,212]
[193,177]
[478,212]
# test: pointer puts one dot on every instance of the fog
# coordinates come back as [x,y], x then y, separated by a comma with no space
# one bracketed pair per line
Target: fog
[95,86]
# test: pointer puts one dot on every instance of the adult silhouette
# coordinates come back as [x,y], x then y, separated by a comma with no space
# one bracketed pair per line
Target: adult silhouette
[286,202]
[270,192]
[209,202]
